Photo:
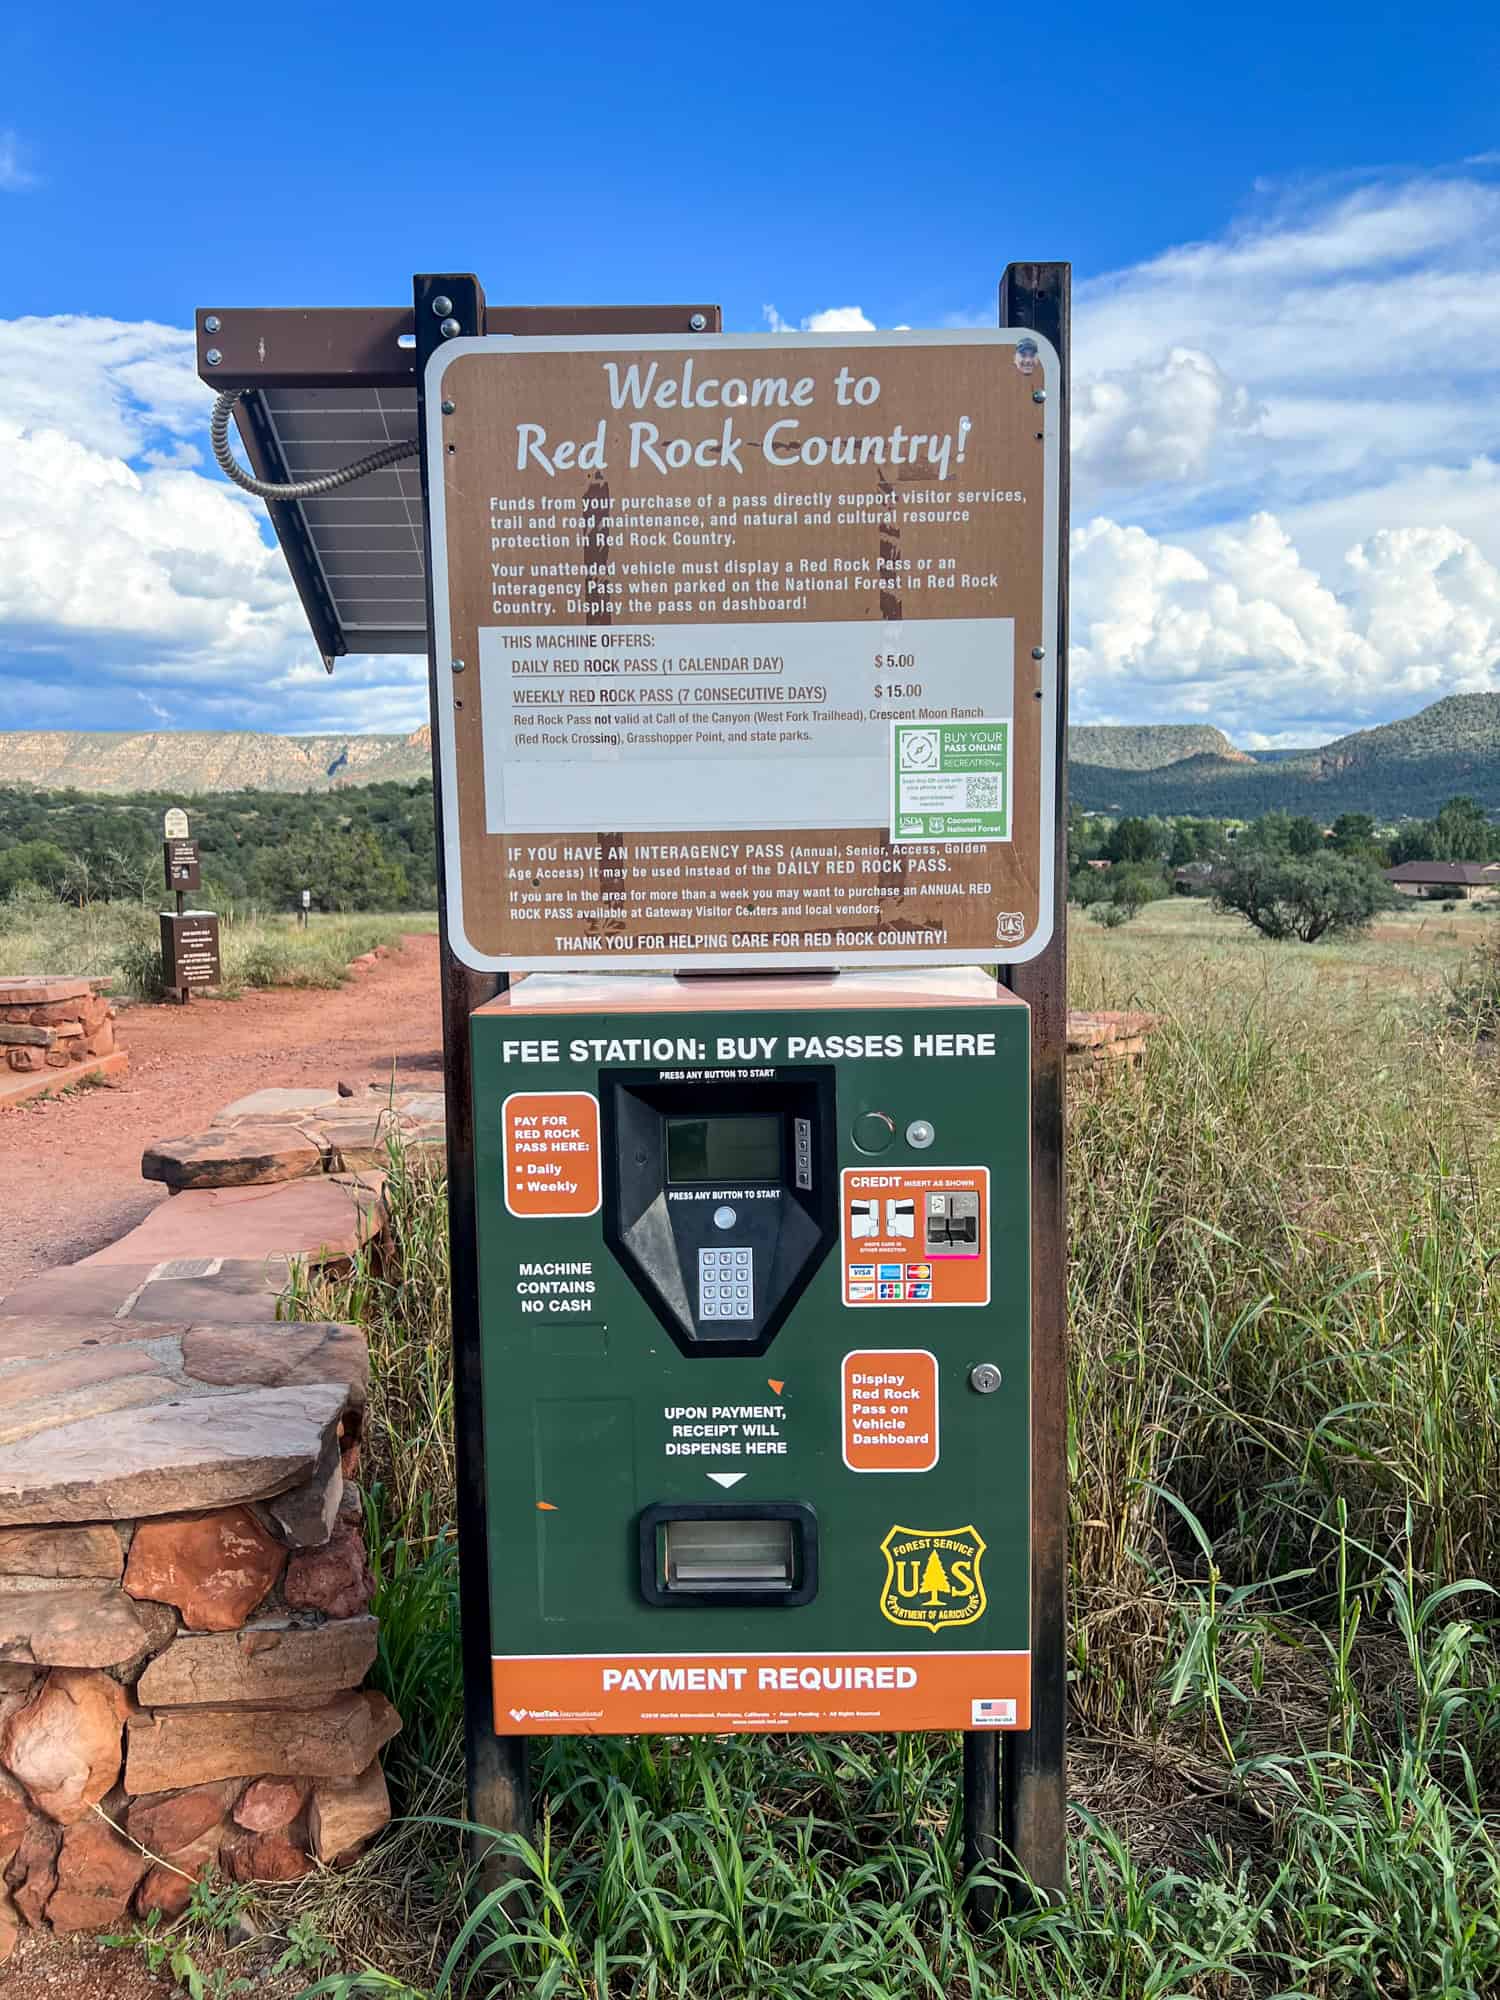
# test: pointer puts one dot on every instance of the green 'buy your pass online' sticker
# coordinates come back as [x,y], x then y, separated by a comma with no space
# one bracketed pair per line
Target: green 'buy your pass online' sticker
[950,780]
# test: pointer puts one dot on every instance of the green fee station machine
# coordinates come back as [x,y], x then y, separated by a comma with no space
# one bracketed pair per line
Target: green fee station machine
[755,1301]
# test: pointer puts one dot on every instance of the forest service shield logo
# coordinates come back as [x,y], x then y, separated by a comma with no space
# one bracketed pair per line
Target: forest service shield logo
[932,1577]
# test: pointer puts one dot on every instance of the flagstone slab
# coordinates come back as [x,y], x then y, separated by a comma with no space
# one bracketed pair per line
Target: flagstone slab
[363,1144]
[42,989]
[177,1290]
[190,1746]
[243,1155]
[422,1105]
[42,1364]
[1103,1026]
[266,1660]
[324,1217]
[83,1625]
[21,1088]
[277,1103]
[172,1457]
[121,1421]
[94,1552]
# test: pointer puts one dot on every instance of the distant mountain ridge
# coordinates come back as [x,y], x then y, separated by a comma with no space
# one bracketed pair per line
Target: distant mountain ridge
[1150,747]
[1408,767]
[204,760]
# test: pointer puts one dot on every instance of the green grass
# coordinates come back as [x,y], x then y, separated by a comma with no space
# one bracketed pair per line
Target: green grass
[1285,1480]
[122,942]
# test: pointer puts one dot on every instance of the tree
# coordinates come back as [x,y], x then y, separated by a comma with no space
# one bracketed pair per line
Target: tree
[1134,887]
[934,1582]
[1413,842]
[1132,839]
[1195,840]
[1270,834]
[1461,832]
[1304,836]
[1354,834]
[40,863]
[1283,896]
[346,870]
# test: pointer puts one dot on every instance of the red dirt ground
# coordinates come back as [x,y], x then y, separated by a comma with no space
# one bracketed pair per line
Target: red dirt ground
[70,1167]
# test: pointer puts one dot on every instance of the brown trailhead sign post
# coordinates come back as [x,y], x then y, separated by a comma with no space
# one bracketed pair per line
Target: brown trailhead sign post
[746,648]
[190,949]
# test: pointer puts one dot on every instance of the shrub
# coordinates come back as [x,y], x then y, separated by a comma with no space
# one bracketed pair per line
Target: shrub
[1283,896]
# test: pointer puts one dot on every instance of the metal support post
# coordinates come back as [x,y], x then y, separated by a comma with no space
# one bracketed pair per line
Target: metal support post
[496,1767]
[1034,1784]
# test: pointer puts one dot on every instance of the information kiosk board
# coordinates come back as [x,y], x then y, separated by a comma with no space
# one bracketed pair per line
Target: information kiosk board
[746,648]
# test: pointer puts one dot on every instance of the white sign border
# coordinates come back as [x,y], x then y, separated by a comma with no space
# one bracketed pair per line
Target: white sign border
[1049,414]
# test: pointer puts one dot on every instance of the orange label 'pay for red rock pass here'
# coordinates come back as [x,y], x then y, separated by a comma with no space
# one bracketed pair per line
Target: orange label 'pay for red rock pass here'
[551,1152]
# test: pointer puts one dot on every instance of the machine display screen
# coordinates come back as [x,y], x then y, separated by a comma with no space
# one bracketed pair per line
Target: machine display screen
[723,1149]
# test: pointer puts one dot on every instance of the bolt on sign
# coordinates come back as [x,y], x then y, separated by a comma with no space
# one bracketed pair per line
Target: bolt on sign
[745,647]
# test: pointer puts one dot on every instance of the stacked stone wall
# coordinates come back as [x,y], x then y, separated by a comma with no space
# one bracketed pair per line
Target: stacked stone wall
[49,1024]
[184,1614]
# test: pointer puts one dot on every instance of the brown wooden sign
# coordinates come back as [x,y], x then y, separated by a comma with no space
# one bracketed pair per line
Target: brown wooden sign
[181,864]
[190,949]
[746,647]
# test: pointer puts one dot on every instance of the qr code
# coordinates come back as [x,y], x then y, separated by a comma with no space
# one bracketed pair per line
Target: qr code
[982,794]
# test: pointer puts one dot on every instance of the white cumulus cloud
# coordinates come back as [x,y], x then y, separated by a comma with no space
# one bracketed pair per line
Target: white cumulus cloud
[832,319]
[1242,631]
[133,587]
[15,175]
[1158,420]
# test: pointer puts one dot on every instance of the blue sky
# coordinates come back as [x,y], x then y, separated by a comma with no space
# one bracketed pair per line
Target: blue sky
[1285,234]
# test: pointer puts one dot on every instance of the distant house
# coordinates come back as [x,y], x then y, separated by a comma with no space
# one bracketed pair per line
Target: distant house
[1453,881]
[1195,878]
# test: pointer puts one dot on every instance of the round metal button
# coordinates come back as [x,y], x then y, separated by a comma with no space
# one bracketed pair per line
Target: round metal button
[874,1132]
[919,1134]
[725,1217]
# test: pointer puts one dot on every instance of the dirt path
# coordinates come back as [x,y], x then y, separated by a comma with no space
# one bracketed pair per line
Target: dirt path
[70,1168]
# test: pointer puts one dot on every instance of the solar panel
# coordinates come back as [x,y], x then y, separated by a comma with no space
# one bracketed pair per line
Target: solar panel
[367,537]
[324,387]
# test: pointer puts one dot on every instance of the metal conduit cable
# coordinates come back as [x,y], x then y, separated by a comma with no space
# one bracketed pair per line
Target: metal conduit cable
[297,489]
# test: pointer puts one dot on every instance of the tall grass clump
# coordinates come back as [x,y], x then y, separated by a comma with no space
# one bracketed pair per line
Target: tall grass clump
[1474,1011]
[122,942]
[1285,1541]
[100,941]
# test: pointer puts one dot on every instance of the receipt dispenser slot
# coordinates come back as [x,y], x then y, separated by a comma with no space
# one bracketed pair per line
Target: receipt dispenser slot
[729,1555]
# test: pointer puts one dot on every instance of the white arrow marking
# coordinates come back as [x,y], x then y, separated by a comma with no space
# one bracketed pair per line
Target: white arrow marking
[726,1478]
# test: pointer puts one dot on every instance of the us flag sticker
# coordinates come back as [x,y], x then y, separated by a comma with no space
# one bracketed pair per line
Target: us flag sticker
[992,1715]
